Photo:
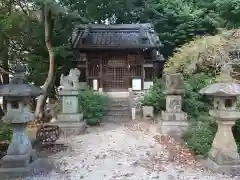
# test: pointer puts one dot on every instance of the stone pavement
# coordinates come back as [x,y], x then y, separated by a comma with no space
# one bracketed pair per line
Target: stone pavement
[120,152]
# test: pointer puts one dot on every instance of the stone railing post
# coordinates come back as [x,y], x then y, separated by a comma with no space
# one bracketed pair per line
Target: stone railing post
[223,156]
[173,119]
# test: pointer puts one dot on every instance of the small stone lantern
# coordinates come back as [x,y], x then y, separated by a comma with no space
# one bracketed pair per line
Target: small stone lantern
[20,158]
[223,156]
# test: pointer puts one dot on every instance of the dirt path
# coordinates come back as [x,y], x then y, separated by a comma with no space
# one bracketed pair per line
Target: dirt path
[120,152]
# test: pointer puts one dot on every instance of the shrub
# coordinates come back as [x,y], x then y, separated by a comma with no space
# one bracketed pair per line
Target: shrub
[5,132]
[208,54]
[154,96]
[194,103]
[199,136]
[203,61]
[92,105]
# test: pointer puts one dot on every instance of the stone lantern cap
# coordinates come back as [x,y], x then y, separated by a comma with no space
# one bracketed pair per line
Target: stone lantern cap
[18,86]
[222,89]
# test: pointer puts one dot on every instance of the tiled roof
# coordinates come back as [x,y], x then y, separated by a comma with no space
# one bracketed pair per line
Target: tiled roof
[116,36]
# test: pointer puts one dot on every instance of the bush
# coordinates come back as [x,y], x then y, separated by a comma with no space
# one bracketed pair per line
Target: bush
[199,136]
[92,105]
[203,61]
[5,132]
[194,103]
[206,54]
[154,96]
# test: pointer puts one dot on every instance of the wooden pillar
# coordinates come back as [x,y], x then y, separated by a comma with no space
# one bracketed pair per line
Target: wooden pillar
[142,74]
[87,73]
[101,73]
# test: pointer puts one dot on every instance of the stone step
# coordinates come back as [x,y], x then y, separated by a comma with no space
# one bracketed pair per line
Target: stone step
[117,94]
[118,113]
[119,103]
[118,108]
[117,119]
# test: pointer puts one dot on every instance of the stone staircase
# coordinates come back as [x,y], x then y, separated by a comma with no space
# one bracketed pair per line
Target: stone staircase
[118,110]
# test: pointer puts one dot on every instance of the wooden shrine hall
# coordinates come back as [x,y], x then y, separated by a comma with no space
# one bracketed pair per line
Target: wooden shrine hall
[117,57]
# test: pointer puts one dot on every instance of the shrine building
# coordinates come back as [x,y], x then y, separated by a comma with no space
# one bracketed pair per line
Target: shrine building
[119,57]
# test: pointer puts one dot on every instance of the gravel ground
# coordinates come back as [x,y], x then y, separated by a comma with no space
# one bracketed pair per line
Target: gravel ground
[120,152]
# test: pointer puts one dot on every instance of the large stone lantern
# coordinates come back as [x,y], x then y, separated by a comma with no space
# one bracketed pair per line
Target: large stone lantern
[20,158]
[223,156]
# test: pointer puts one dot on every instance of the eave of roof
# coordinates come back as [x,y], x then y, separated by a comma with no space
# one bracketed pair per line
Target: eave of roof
[100,36]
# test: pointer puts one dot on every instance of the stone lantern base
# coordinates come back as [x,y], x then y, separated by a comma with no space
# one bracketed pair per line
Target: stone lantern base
[223,156]
[229,169]
[26,167]
[21,160]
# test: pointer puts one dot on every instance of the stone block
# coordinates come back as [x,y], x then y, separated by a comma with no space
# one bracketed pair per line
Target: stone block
[16,161]
[173,103]
[175,128]
[174,116]
[70,124]
[37,167]
[147,112]
[69,118]
[173,123]
[72,129]
[70,104]
[174,83]
[229,169]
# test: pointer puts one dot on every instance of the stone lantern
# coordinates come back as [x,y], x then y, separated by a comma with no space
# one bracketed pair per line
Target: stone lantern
[20,158]
[223,156]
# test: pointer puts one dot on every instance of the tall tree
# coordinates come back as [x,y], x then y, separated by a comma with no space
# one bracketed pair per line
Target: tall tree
[49,20]
[11,22]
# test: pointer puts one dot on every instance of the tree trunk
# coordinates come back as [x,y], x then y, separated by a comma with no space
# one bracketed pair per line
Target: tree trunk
[49,81]
[4,69]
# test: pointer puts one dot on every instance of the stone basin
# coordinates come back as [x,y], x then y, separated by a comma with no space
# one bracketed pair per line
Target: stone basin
[225,115]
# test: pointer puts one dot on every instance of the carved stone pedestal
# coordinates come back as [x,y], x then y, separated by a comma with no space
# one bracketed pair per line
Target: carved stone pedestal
[173,121]
[70,120]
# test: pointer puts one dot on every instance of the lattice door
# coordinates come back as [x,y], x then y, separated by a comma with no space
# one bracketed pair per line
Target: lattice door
[115,74]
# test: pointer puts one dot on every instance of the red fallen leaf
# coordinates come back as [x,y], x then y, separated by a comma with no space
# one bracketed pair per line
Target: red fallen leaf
[179,154]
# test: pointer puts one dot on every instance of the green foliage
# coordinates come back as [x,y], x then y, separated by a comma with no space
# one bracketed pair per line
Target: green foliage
[236,133]
[236,128]
[193,102]
[178,22]
[199,136]
[154,96]
[208,54]
[5,132]
[92,105]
